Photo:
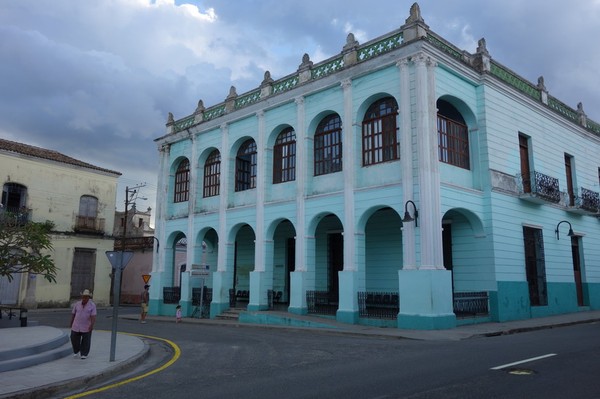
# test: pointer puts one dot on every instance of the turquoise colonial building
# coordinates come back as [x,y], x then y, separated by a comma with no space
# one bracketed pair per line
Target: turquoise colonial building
[403,182]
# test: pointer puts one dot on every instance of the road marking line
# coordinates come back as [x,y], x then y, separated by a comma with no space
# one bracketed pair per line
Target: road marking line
[523,361]
[139,377]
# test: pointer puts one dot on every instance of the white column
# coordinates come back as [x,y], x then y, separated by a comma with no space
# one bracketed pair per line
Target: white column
[301,172]
[435,188]
[429,191]
[259,250]
[224,195]
[191,239]
[349,173]
[406,154]
[158,264]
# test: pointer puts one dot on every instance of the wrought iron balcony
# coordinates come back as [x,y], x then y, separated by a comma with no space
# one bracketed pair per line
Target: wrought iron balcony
[471,303]
[15,216]
[539,188]
[87,224]
[321,302]
[586,202]
[378,305]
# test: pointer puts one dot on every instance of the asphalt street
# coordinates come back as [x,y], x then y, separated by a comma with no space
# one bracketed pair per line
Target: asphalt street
[248,362]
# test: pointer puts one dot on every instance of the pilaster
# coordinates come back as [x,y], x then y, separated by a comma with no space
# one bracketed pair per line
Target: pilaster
[407,164]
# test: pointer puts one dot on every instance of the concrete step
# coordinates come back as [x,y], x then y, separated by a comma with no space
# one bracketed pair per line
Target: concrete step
[230,314]
[35,345]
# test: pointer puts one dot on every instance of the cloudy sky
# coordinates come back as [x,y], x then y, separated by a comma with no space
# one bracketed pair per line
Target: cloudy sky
[95,79]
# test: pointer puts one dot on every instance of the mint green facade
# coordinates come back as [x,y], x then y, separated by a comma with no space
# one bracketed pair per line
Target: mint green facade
[486,205]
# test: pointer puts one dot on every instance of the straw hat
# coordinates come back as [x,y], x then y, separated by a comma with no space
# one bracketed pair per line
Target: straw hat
[86,292]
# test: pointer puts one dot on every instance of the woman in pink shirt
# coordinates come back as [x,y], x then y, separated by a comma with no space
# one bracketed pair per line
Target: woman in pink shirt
[83,317]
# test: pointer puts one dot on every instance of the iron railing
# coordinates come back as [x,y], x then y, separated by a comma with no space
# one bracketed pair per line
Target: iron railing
[321,302]
[202,308]
[273,297]
[89,224]
[14,216]
[471,303]
[378,305]
[171,294]
[588,200]
[540,185]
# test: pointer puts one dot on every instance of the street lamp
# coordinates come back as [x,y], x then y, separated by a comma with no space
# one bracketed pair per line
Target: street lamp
[569,234]
[407,217]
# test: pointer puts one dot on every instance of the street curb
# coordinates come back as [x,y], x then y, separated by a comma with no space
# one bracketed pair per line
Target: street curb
[537,328]
[81,383]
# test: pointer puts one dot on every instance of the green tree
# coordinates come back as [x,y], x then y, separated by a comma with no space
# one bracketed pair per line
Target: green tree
[22,246]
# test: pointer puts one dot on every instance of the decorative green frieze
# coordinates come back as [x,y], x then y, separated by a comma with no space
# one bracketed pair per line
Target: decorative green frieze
[445,47]
[247,99]
[183,123]
[214,112]
[285,85]
[563,109]
[515,81]
[380,47]
[593,126]
[328,68]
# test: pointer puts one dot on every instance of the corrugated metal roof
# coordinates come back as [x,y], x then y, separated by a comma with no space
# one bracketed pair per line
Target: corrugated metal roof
[37,152]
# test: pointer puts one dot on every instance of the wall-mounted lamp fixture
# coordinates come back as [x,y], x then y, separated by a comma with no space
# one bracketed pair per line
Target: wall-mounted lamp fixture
[157,243]
[407,217]
[569,234]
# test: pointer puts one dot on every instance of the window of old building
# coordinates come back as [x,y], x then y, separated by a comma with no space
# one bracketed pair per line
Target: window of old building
[328,146]
[453,136]
[212,174]
[182,181]
[284,157]
[245,166]
[380,141]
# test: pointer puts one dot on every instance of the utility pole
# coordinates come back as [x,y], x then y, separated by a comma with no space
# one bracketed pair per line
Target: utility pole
[119,264]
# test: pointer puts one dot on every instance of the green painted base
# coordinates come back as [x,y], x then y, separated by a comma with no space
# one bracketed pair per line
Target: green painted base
[426,322]
[216,308]
[300,311]
[347,317]
[256,308]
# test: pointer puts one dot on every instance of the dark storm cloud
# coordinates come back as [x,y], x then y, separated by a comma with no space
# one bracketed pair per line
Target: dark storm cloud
[95,79]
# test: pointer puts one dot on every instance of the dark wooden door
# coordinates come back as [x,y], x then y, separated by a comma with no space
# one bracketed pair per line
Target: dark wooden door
[336,262]
[525,170]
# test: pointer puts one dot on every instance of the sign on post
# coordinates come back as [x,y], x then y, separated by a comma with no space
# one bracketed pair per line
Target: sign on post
[146,278]
[119,259]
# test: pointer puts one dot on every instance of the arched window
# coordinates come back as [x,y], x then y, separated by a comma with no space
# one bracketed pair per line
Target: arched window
[245,166]
[14,197]
[328,145]
[182,181]
[453,136]
[284,157]
[380,132]
[212,174]
[87,219]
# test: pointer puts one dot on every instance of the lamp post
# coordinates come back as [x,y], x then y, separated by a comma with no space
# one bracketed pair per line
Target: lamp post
[119,260]
[569,234]
[407,217]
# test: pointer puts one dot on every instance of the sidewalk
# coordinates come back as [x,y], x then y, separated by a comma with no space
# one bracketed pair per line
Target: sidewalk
[68,373]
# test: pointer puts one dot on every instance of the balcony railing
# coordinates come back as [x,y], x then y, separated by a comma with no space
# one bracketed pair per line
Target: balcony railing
[15,216]
[538,187]
[321,302]
[171,294]
[89,224]
[586,201]
[202,307]
[471,303]
[134,243]
[378,305]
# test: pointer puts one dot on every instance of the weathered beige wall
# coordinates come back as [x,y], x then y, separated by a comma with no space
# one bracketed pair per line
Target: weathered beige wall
[53,193]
